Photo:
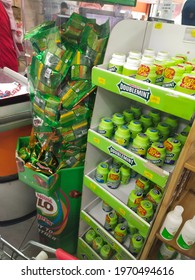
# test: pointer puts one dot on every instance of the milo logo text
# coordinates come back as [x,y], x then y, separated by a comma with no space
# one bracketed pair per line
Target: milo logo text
[135,90]
[46,204]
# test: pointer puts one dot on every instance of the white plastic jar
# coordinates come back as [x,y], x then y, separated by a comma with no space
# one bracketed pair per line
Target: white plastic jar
[116,63]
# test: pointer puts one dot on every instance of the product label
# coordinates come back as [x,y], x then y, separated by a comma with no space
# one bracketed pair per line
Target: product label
[166,234]
[124,157]
[188,82]
[135,90]
[184,243]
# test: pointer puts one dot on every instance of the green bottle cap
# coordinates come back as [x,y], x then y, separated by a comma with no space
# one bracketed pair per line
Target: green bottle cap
[136,110]
[106,127]
[129,115]
[120,232]
[90,236]
[146,121]
[155,115]
[125,174]
[97,243]
[172,121]
[134,198]
[182,137]
[118,119]
[153,134]
[142,138]
[105,251]
[145,209]
[102,172]
[154,195]
[136,243]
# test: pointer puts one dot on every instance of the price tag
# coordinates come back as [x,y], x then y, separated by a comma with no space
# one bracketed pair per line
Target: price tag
[158,25]
[122,211]
[193,32]
[92,186]
[155,99]
[96,140]
[101,80]
[148,175]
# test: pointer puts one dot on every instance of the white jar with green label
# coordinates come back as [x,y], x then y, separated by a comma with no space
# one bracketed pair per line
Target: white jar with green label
[116,63]
[130,67]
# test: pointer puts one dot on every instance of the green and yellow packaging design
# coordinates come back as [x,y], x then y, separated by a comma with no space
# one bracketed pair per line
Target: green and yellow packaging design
[171,76]
[122,135]
[101,173]
[182,137]
[90,235]
[97,243]
[173,149]
[111,221]
[106,127]
[173,122]
[125,174]
[154,195]
[186,84]
[136,243]
[116,63]
[106,252]
[142,184]
[140,144]
[137,111]
[155,115]
[135,127]
[134,199]
[118,119]
[145,210]
[114,177]
[120,232]
[146,121]
[153,134]
[156,153]
[146,73]
[164,131]
[129,115]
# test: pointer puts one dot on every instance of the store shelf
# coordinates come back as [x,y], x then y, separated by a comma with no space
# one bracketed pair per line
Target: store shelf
[149,94]
[190,163]
[95,217]
[118,201]
[137,163]
[188,202]
[85,252]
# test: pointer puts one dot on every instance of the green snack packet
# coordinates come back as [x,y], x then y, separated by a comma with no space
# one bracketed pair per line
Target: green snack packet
[74,92]
[77,114]
[44,78]
[42,35]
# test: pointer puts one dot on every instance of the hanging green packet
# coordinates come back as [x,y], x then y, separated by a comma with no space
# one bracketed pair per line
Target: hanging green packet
[43,77]
[74,91]
[58,58]
[47,107]
[81,66]
[42,35]
[72,30]
[94,41]
[77,114]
